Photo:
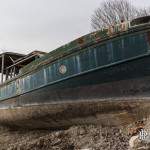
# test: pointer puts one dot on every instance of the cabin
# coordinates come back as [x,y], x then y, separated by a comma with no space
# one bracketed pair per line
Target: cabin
[11,63]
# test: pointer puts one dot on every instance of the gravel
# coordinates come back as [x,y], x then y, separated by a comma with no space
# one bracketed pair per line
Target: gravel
[75,138]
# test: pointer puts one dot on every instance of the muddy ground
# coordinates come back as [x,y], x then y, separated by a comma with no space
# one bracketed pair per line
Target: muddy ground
[75,138]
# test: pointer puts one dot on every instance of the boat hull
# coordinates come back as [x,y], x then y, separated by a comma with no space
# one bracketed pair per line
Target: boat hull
[116,95]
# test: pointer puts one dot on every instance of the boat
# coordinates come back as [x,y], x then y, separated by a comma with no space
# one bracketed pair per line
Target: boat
[100,78]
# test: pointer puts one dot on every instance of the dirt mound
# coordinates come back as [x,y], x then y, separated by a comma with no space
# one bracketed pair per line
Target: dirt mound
[75,138]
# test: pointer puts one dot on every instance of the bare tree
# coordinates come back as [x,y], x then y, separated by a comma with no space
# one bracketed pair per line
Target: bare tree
[143,12]
[113,12]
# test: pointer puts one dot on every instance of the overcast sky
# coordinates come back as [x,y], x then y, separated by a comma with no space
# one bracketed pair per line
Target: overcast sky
[27,25]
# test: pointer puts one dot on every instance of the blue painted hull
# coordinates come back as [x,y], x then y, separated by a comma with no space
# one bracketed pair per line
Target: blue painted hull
[86,96]
[103,81]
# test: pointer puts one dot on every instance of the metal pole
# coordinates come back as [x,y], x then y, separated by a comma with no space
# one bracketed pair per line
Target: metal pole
[2,69]
[6,74]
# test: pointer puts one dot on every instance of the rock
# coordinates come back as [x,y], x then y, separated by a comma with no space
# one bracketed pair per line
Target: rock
[88,137]
[133,142]
[136,144]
